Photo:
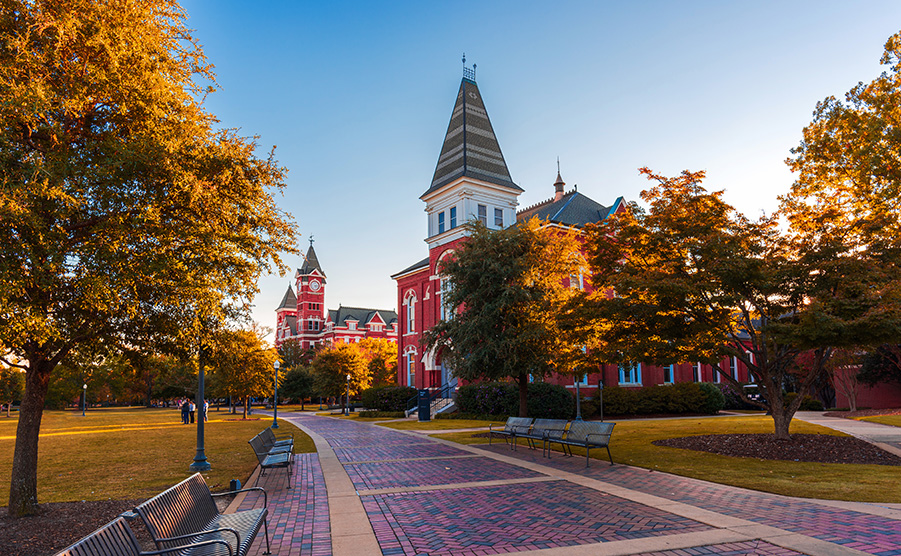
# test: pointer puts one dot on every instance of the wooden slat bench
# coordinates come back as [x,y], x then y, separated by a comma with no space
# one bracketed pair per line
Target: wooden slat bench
[187,512]
[117,539]
[274,458]
[588,435]
[515,426]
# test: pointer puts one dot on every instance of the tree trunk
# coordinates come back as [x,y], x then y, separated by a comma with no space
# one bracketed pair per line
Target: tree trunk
[523,380]
[23,485]
[244,406]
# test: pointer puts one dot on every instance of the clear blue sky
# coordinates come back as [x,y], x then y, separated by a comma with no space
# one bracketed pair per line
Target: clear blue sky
[357,97]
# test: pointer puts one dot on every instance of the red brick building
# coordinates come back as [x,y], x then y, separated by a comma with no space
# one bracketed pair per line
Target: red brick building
[472,181]
[303,316]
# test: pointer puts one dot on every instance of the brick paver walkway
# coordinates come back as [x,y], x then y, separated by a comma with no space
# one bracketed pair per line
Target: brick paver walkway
[372,490]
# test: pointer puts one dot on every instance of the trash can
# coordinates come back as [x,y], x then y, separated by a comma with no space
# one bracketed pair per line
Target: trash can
[425,406]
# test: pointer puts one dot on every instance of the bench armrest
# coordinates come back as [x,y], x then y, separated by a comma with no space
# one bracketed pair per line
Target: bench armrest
[261,489]
[204,532]
[607,436]
[227,546]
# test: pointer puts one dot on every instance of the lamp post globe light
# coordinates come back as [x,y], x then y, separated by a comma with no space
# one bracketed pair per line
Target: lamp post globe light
[275,398]
[84,398]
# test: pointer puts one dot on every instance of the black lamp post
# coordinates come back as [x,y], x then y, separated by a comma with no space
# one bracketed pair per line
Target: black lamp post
[84,398]
[578,400]
[347,398]
[200,461]
[275,399]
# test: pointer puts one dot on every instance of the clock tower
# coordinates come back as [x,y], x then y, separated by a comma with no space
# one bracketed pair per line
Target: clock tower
[310,286]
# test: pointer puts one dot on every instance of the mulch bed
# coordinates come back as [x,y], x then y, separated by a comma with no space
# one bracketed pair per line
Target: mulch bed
[59,525]
[818,448]
[863,413]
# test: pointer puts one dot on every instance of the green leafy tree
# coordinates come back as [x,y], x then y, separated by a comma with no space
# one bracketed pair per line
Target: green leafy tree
[331,367]
[509,288]
[12,386]
[293,354]
[694,280]
[125,214]
[298,384]
[882,364]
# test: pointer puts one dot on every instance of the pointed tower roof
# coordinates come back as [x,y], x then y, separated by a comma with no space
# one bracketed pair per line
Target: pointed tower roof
[289,301]
[310,263]
[470,147]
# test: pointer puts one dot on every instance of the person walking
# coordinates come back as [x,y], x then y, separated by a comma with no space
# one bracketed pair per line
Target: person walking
[206,407]
[192,408]
[184,412]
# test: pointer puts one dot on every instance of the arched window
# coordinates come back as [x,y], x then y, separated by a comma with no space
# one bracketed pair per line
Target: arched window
[410,365]
[410,305]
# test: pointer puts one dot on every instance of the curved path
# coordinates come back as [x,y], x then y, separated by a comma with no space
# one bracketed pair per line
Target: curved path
[376,491]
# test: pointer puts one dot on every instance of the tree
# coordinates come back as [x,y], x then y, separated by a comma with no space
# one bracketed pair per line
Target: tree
[694,280]
[332,365]
[12,385]
[125,215]
[293,354]
[241,365]
[882,365]
[381,360]
[298,384]
[509,288]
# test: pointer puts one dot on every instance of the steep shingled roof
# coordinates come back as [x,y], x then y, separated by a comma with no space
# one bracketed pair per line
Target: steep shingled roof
[311,263]
[470,146]
[360,314]
[573,209]
[289,301]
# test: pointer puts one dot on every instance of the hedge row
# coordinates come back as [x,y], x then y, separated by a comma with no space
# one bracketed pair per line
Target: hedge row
[548,401]
[387,398]
[682,397]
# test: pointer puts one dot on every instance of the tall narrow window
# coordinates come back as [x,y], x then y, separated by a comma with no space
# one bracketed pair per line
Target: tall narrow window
[696,372]
[410,302]
[446,312]
[499,218]
[411,368]
[441,222]
[733,367]
[751,360]
[667,374]
[483,214]
[453,217]
[630,374]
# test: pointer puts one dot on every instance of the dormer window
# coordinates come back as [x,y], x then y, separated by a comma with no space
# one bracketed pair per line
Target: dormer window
[351,326]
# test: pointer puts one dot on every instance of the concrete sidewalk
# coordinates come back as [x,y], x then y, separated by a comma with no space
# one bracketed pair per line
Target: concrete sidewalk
[886,437]
[377,491]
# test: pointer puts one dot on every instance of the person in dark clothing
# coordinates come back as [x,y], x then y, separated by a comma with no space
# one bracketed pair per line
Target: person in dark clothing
[184,412]
[192,408]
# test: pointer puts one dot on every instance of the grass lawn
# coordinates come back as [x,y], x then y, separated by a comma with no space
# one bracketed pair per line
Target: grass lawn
[893,420]
[124,453]
[631,444]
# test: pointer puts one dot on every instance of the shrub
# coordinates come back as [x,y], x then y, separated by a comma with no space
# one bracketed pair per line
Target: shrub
[387,398]
[807,404]
[714,400]
[545,400]
[682,397]
[732,399]
[488,398]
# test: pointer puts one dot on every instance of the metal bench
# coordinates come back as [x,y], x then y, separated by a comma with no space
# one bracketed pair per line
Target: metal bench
[278,442]
[187,512]
[515,426]
[268,459]
[588,435]
[545,431]
[117,539]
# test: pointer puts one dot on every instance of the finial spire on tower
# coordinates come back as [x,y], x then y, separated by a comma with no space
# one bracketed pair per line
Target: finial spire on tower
[469,73]
[311,240]
[558,185]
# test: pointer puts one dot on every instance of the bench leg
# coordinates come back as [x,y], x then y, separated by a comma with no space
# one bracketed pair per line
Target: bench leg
[587,454]
[609,455]
[266,532]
